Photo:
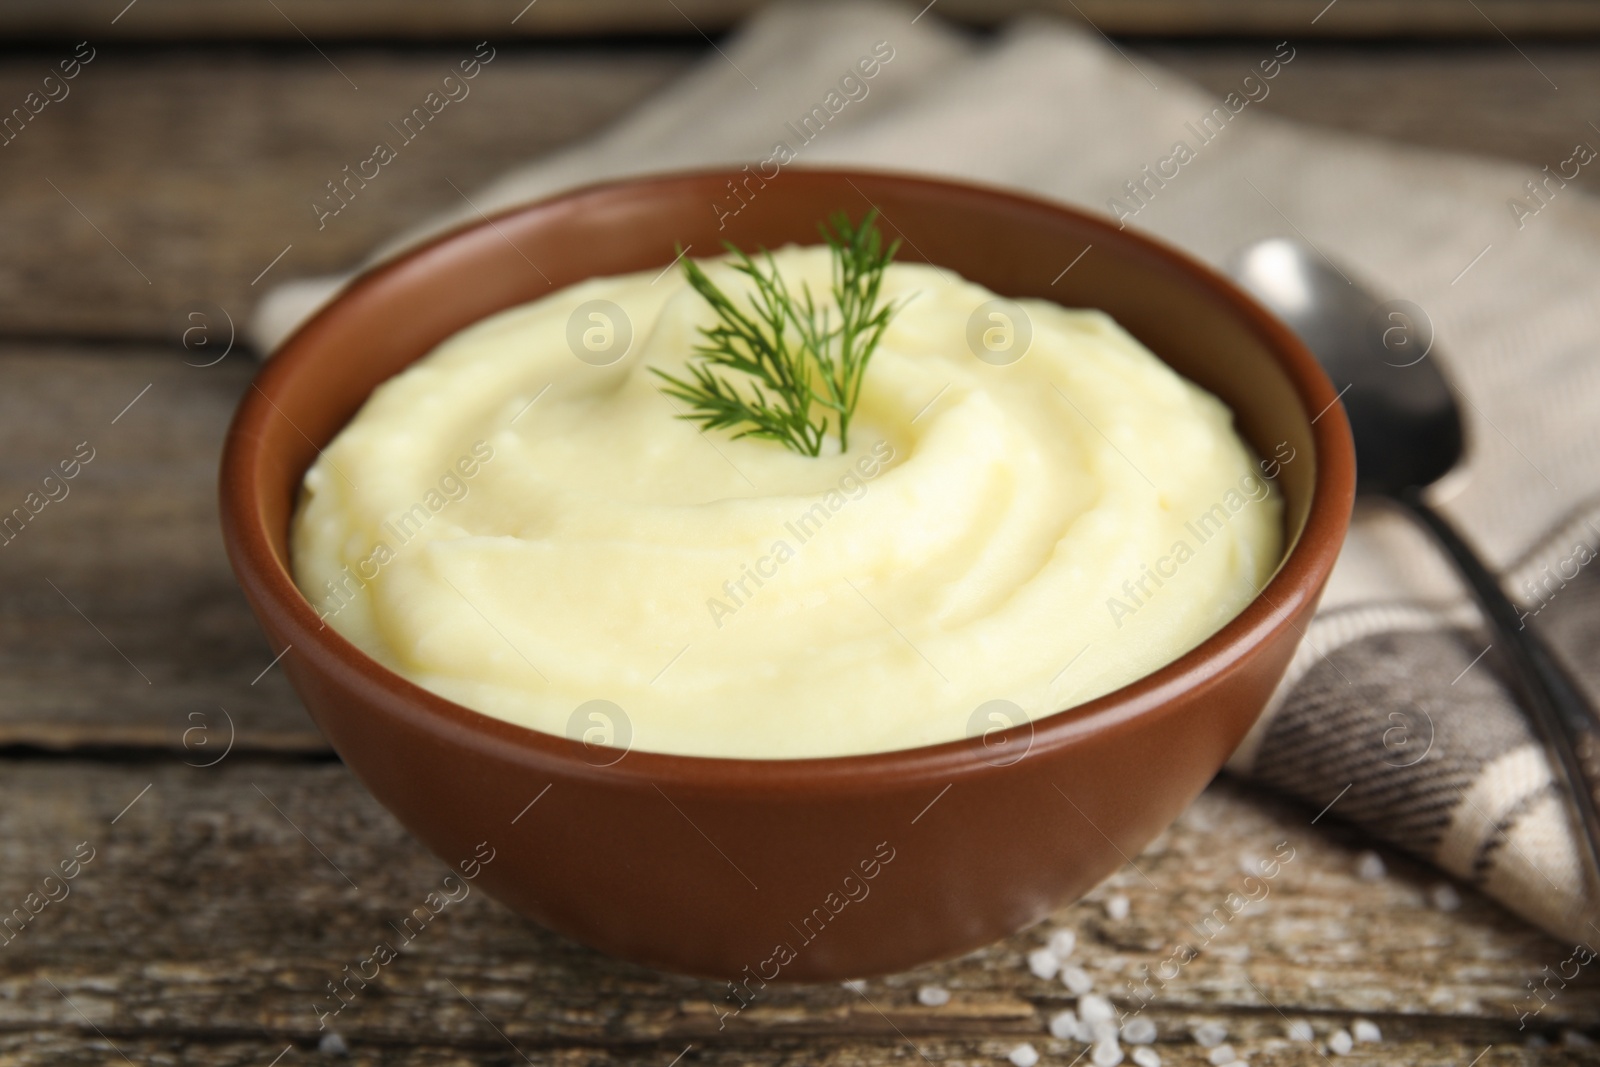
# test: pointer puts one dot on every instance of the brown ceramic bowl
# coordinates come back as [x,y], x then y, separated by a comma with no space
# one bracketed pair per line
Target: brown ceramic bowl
[759,869]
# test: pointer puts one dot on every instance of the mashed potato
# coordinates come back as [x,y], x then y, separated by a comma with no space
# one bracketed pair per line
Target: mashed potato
[526,532]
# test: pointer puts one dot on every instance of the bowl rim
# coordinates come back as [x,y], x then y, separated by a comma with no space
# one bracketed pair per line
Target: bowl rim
[1298,578]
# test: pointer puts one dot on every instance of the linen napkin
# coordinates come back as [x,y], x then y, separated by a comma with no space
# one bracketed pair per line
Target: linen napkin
[1395,715]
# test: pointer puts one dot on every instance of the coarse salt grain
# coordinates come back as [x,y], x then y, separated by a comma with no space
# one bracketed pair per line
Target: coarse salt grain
[1093,1009]
[1209,1035]
[1147,1057]
[1106,1054]
[1369,867]
[855,985]
[1062,942]
[1117,908]
[1444,897]
[1139,1031]
[333,1045]
[1103,1030]
[1222,1054]
[1364,1030]
[1043,963]
[1077,980]
[1064,1025]
[933,996]
[1300,1030]
[1341,1043]
[1024,1055]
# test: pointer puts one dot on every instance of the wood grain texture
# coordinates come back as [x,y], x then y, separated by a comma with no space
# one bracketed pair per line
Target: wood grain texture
[66,1049]
[121,623]
[234,894]
[169,180]
[1487,99]
[366,19]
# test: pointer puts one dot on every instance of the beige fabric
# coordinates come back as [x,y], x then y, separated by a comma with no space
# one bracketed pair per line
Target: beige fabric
[1058,111]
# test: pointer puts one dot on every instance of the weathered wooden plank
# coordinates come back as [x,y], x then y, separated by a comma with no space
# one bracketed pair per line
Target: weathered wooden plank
[121,623]
[58,1048]
[418,19]
[166,180]
[1488,100]
[234,894]
[65,1049]
[201,164]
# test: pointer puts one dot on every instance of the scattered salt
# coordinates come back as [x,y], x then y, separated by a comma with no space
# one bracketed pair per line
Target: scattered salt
[855,985]
[1369,867]
[1444,897]
[1147,1057]
[1077,980]
[1300,1030]
[1102,1031]
[1340,1043]
[1209,1035]
[1222,1054]
[1117,908]
[1093,1009]
[1064,1024]
[1363,1030]
[1024,1055]
[333,1045]
[1062,942]
[1106,1054]
[933,996]
[1139,1031]
[1043,963]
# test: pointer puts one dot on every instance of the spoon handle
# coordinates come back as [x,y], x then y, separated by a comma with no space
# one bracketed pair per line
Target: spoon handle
[1562,716]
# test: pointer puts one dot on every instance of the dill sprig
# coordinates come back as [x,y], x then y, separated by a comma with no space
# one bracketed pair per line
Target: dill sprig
[799,365]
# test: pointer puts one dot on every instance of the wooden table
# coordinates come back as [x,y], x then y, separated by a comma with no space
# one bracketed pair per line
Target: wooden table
[237,867]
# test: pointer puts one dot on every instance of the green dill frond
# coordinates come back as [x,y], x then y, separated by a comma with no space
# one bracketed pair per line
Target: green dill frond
[797,364]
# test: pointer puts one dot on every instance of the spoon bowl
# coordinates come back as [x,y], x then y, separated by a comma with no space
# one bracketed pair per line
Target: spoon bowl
[1402,410]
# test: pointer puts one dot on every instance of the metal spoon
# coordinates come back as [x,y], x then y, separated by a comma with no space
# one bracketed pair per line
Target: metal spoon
[1408,435]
